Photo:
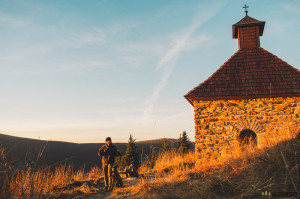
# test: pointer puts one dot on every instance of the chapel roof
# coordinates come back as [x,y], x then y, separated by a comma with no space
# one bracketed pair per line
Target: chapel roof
[249,73]
[252,72]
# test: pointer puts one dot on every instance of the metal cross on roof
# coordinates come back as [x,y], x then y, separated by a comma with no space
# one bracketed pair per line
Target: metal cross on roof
[246,11]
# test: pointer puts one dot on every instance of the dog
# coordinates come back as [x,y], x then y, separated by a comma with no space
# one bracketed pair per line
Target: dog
[117,180]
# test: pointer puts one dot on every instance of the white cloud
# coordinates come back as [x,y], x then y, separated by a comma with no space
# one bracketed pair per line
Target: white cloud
[91,37]
[12,22]
[196,41]
[137,53]
[130,99]
[291,7]
[82,66]
[168,60]
[97,64]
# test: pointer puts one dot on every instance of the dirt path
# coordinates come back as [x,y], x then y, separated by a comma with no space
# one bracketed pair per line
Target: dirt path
[101,194]
[106,193]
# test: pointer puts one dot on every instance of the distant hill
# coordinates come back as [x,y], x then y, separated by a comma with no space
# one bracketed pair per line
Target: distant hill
[21,151]
[159,141]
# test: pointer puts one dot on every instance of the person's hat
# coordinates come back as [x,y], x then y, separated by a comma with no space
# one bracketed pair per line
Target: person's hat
[107,139]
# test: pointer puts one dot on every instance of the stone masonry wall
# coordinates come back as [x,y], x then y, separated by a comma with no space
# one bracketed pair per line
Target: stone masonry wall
[218,123]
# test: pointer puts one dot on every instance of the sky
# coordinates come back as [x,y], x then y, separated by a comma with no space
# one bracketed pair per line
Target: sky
[80,71]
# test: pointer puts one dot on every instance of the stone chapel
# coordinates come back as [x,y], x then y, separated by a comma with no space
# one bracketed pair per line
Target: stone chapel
[254,94]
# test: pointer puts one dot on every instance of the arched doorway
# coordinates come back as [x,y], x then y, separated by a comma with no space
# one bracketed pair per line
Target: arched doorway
[247,137]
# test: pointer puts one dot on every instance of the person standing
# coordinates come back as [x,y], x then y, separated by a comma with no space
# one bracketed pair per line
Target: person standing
[108,153]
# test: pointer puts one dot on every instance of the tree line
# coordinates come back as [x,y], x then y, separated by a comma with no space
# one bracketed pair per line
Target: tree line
[132,157]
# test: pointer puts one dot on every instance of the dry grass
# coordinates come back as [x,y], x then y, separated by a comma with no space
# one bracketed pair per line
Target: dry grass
[42,182]
[274,165]
[4,176]
[244,172]
[169,161]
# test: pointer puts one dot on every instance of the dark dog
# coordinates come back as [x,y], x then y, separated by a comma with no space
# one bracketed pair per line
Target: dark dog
[131,171]
[117,180]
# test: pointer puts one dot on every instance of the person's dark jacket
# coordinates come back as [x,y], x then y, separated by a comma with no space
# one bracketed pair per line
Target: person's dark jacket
[109,153]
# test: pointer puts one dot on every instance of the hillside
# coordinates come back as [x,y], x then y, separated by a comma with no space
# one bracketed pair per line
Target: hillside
[268,172]
[272,170]
[24,150]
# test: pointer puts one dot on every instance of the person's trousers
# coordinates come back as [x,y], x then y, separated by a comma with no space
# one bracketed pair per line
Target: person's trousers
[107,169]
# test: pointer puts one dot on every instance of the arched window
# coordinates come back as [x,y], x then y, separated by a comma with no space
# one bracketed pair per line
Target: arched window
[247,137]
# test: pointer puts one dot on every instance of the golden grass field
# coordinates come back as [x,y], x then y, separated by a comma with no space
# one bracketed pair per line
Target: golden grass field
[42,182]
[244,172]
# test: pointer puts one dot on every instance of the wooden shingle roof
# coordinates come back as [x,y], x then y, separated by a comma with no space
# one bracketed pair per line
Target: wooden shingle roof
[249,73]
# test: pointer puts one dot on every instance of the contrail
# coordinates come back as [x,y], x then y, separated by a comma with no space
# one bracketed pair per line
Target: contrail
[167,62]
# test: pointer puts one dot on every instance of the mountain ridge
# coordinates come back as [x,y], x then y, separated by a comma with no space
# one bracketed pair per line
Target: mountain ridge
[24,151]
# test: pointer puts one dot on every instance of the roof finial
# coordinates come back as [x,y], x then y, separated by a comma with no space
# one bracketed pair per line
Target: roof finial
[246,11]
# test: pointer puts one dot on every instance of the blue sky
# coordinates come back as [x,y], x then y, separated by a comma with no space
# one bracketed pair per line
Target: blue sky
[79,71]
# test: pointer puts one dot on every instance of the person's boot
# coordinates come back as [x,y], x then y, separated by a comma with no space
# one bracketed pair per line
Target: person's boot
[105,188]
